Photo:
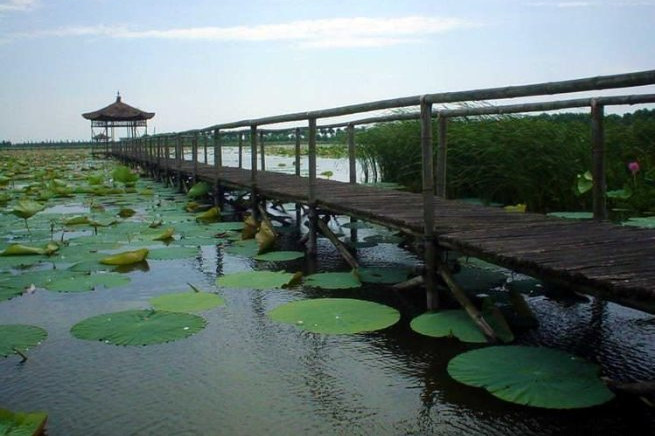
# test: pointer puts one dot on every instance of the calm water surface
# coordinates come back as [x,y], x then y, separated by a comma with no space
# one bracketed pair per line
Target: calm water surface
[246,375]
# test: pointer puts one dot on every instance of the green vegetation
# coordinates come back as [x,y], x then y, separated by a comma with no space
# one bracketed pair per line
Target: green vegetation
[533,160]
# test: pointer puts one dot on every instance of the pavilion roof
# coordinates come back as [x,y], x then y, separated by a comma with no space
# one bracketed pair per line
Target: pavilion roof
[118,111]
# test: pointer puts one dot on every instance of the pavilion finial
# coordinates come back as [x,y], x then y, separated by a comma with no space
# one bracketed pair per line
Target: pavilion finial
[118,96]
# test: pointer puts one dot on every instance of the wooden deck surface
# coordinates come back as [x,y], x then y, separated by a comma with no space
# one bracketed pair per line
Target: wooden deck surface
[614,262]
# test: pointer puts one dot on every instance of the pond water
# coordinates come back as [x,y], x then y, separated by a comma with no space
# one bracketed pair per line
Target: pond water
[247,375]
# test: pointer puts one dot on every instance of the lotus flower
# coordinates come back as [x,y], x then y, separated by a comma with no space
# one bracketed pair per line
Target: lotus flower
[633,167]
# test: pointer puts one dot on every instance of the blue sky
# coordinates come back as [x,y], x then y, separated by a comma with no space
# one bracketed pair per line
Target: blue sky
[198,63]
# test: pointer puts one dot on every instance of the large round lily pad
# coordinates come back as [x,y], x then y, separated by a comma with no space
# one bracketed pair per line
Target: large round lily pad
[187,301]
[336,315]
[19,337]
[7,293]
[256,279]
[245,248]
[532,376]
[333,280]
[448,323]
[138,327]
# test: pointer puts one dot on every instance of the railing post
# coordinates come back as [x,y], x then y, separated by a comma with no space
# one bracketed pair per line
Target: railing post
[204,147]
[352,174]
[240,150]
[218,163]
[297,170]
[194,156]
[442,157]
[428,205]
[253,169]
[598,162]
[179,156]
[313,216]
[261,150]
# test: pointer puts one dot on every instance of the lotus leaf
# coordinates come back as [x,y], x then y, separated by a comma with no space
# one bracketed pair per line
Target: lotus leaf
[126,258]
[250,227]
[256,280]
[77,220]
[211,214]
[573,215]
[124,175]
[228,226]
[532,376]
[22,250]
[279,256]
[333,280]
[646,222]
[126,212]
[170,253]
[336,315]
[27,208]
[165,235]
[138,327]
[7,293]
[187,301]
[40,278]
[386,275]
[448,323]
[246,248]
[265,237]
[21,424]
[198,190]
[86,282]
[19,337]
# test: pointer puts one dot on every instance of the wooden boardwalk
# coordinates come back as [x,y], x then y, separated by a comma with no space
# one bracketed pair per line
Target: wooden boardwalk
[614,262]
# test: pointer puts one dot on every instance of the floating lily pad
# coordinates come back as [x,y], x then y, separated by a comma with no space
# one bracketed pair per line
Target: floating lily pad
[646,222]
[85,283]
[256,279]
[138,327]
[385,275]
[21,424]
[280,256]
[7,293]
[336,315]
[573,215]
[532,376]
[227,226]
[356,225]
[448,323]
[170,253]
[187,301]
[333,280]
[126,258]
[246,248]
[41,278]
[19,337]
[198,190]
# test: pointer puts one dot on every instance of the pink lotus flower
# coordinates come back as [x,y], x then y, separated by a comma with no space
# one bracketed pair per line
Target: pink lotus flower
[633,167]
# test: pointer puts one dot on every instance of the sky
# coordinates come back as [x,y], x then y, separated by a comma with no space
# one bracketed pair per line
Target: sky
[197,63]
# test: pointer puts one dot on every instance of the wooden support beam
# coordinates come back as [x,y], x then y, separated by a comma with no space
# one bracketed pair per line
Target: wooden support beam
[442,157]
[430,254]
[313,215]
[253,170]
[599,188]
[340,246]
[464,301]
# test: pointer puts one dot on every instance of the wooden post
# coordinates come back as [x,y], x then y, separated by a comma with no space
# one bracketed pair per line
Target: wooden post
[167,159]
[253,170]
[194,156]
[261,150]
[240,150]
[179,156]
[218,164]
[598,162]
[340,246]
[352,175]
[205,147]
[297,171]
[313,215]
[442,156]
[430,248]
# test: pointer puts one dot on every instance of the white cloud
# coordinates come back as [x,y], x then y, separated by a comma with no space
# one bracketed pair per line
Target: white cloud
[17,5]
[325,33]
[571,4]
[584,4]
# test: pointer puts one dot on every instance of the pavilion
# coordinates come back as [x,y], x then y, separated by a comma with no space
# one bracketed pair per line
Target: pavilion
[117,114]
